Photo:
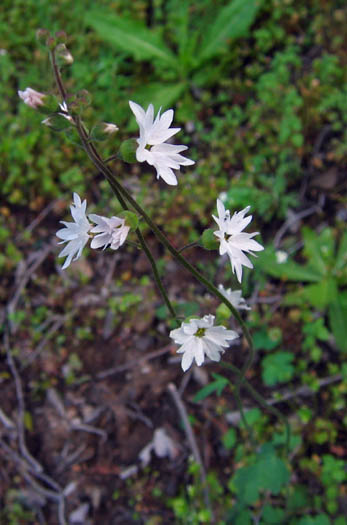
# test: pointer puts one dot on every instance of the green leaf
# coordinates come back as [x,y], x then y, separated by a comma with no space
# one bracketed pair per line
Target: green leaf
[130,36]
[298,498]
[217,386]
[320,295]
[187,308]
[232,21]
[314,248]
[338,321]
[320,519]
[341,258]
[272,515]
[268,473]
[267,339]
[288,270]
[229,438]
[277,368]
[160,95]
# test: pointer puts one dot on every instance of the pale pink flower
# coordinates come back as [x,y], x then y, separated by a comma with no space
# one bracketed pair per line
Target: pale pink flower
[111,232]
[32,98]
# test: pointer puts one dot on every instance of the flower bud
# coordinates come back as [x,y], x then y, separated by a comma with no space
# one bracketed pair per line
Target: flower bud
[103,130]
[63,55]
[40,101]
[208,240]
[42,35]
[57,122]
[81,100]
[128,149]
[61,37]
[51,43]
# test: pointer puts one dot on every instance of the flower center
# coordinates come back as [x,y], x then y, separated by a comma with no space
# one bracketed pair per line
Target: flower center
[227,236]
[200,332]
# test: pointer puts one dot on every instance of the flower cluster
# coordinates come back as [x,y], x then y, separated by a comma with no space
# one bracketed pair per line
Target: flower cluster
[111,232]
[198,338]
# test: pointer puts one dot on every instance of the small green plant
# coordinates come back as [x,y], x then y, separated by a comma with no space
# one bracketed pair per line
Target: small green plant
[324,275]
[188,68]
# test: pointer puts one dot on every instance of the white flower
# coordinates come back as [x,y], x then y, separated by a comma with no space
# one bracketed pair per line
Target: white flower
[234,297]
[75,233]
[32,98]
[111,231]
[232,240]
[281,256]
[65,112]
[164,157]
[198,338]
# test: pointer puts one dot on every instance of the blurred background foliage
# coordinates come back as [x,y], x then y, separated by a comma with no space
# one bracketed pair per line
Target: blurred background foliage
[259,89]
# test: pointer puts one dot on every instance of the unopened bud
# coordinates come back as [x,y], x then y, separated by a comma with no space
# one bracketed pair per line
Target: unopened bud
[32,98]
[82,99]
[208,240]
[58,122]
[103,130]
[40,101]
[63,55]
[42,35]
[128,149]
[110,128]
[61,37]
[51,43]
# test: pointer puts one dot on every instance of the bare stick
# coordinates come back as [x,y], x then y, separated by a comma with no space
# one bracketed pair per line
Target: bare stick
[21,406]
[191,439]
[12,304]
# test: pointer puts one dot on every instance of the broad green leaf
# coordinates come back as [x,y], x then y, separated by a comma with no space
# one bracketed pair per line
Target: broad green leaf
[232,21]
[288,270]
[272,515]
[268,473]
[318,248]
[320,519]
[130,36]
[319,295]
[338,322]
[160,95]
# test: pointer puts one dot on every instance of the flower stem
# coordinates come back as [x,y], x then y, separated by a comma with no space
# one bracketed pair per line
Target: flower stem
[123,195]
[97,161]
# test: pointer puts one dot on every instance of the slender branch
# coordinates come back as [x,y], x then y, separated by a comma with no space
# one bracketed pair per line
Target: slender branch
[189,245]
[123,195]
[91,151]
[156,275]
[243,416]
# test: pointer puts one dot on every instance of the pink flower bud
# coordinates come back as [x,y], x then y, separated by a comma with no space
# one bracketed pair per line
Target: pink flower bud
[32,98]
